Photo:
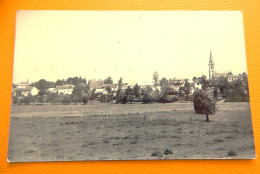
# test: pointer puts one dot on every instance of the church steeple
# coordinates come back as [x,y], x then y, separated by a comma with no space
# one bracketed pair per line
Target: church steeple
[211,66]
[211,59]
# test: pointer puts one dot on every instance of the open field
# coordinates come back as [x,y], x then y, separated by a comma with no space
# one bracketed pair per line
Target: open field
[127,132]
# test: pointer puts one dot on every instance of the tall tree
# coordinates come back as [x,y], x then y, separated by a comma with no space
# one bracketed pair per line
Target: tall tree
[129,94]
[108,80]
[78,92]
[164,83]
[223,85]
[42,85]
[245,79]
[204,82]
[149,90]
[120,83]
[156,78]
[187,88]
[204,104]
[136,90]
[60,82]
[120,96]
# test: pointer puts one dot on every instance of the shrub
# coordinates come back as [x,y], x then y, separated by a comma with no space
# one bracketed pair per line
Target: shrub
[66,100]
[167,151]
[237,95]
[75,99]
[204,104]
[52,97]
[157,153]
[147,98]
[25,100]
[120,97]
[169,99]
[41,99]
[15,99]
[231,153]
[85,98]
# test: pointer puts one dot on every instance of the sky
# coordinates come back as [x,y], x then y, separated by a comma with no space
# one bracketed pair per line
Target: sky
[55,45]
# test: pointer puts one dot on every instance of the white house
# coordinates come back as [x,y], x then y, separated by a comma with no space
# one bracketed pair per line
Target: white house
[52,90]
[22,85]
[233,77]
[197,83]
[114,87]
[30,90]
[100,90]
[64,89]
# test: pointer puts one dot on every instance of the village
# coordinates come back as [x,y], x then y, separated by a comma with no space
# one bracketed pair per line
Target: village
[220,85]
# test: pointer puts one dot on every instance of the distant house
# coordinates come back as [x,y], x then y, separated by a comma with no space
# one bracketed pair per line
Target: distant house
[156,88]
[124,87]
[197,83]
[144,85]
[192,90]
[178,81]
[113,87]
[131,84]
[65,89]
[51,90]
[26,91]
[22,85]
[100,90]
[233,77]
[174,88]
[94,84]
[218,74]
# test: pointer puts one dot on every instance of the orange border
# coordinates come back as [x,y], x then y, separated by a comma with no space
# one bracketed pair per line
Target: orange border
[251,10]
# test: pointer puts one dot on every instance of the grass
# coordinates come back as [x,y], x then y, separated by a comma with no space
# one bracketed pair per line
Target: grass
[78,134]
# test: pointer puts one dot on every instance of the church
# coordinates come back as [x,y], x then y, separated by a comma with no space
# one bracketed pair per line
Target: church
[214,74]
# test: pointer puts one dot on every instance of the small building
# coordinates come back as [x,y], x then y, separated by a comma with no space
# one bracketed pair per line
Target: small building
[26,91]
[22,85]
[64,89]
[94,84]
[51,90]
[100,90]
[232,78]
[197,83]
[114,87]
[174,88]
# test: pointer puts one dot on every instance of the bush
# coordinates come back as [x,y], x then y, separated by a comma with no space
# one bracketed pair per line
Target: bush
[15,99]
[66,100]
[147,98]
[75,99]
[237,95]
[52,98]
[40,98]
[168,98]
[120,97]
[204,104]
[167,151]
[157,153]
[130,98]
[231,153]
[26,100]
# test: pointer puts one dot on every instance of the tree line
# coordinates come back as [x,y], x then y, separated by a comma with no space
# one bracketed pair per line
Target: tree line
[161,91]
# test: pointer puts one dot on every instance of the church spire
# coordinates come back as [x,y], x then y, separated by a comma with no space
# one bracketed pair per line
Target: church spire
[211,67]
[211,59]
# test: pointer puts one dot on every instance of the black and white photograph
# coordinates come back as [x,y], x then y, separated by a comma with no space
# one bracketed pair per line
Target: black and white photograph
[129,85]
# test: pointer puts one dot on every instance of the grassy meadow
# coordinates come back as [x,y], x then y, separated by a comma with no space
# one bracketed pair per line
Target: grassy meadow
[104,131]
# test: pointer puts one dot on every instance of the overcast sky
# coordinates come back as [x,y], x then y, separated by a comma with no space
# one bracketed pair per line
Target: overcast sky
[54,45]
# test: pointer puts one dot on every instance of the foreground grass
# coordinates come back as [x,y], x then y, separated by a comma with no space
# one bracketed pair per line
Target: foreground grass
[161,134]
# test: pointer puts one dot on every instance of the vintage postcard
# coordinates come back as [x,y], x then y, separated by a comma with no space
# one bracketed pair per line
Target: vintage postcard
[129,85]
